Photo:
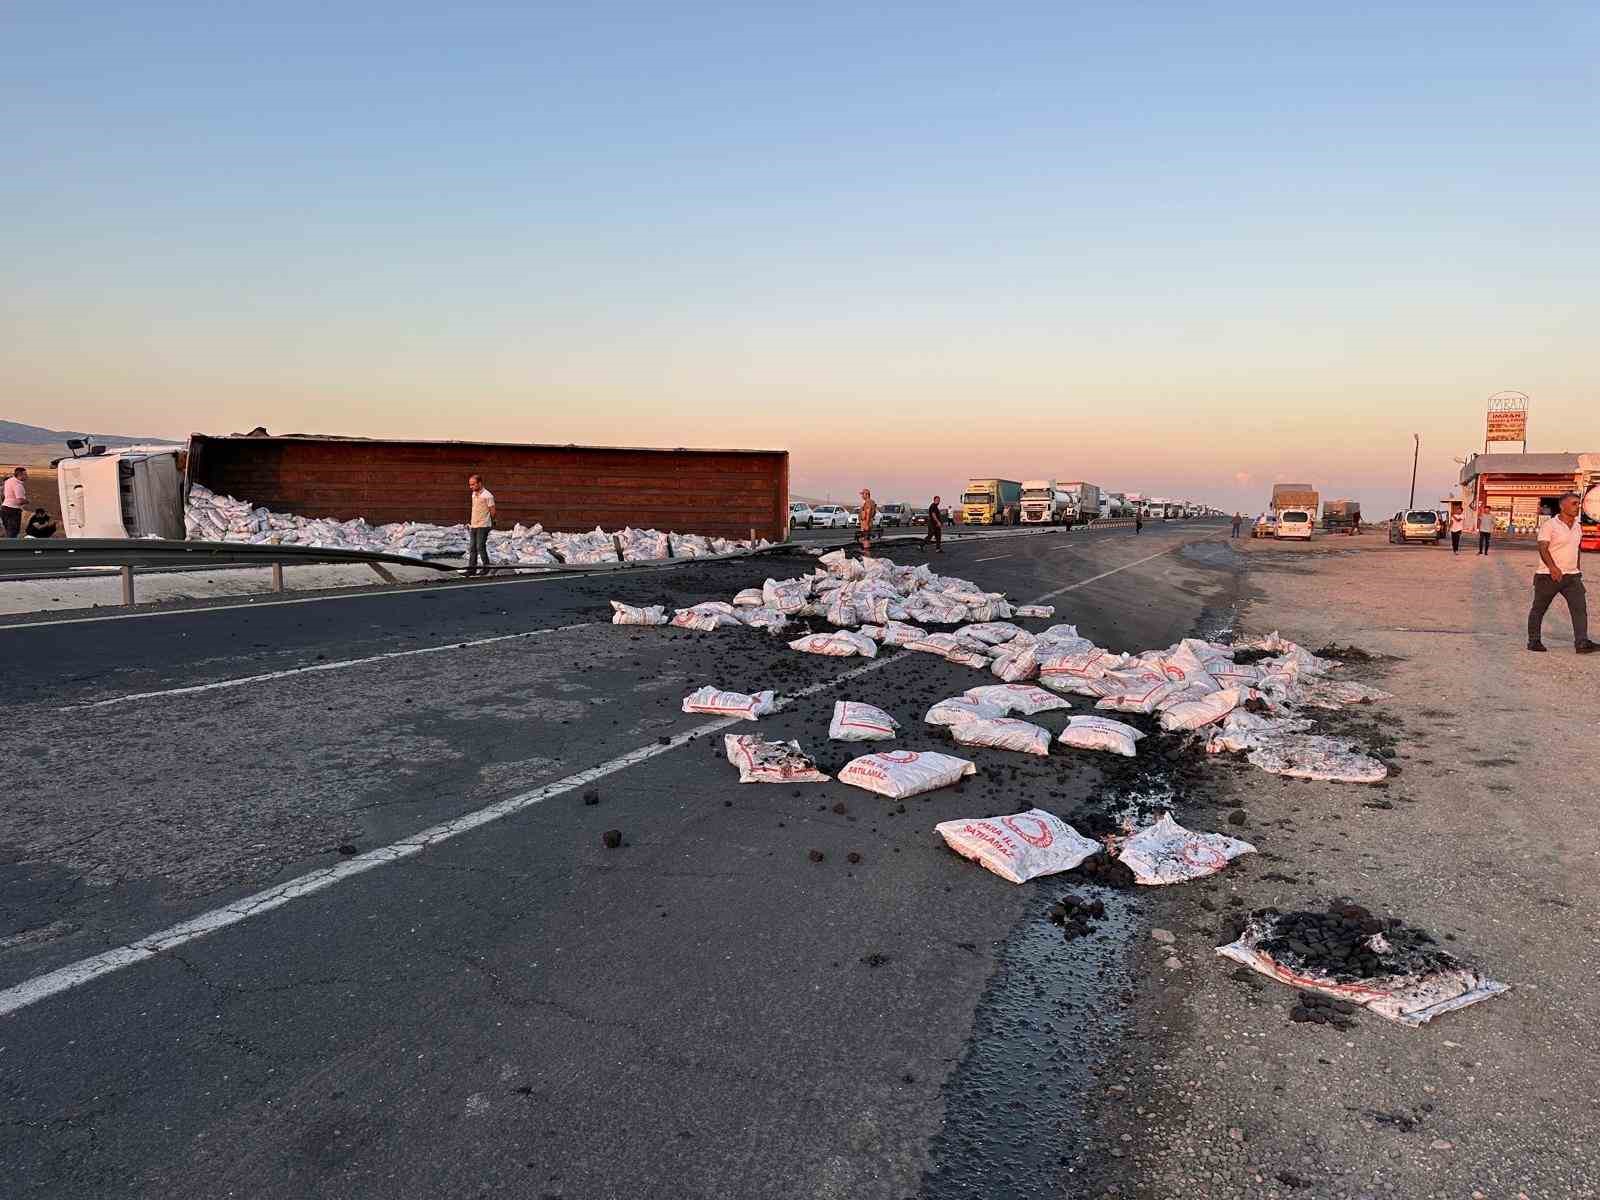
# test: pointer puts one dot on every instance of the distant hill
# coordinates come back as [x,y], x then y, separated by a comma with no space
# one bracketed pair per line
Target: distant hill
[33,435]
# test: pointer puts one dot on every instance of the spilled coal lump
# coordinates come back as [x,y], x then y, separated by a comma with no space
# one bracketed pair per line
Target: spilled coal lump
[1347,952]
[1076,915]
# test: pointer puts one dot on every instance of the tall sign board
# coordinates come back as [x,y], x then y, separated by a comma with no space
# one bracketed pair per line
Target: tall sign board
[1507,420]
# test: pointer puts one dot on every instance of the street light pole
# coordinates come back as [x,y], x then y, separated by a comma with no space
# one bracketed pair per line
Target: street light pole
[1415,451]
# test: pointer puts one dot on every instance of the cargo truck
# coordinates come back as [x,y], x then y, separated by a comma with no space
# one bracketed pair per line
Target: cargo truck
[1340,516]
[991,502]
[1085,501]
[1044,503]
[1293,495]
[140,492]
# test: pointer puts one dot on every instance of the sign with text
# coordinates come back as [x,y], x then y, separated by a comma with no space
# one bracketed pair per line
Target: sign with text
[1508,418]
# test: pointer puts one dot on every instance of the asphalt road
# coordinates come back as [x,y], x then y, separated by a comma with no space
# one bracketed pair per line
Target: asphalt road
[513,1009]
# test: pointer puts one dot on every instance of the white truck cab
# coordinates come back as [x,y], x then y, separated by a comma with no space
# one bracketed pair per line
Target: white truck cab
[127,493]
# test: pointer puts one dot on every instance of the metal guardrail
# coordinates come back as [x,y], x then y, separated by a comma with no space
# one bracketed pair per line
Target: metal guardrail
[29,558]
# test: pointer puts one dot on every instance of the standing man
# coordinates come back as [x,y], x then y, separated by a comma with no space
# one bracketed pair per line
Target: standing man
[869,514]
[935,532]
[1457,524]
[1485,527]
[1138,521]
[14,500]
[1559,574]
[1238,521]
[481,523]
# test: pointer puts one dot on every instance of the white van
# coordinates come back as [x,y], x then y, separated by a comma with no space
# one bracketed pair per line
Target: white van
[1294,523]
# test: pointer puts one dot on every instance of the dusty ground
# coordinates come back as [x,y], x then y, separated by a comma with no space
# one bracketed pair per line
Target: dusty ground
[1482,834]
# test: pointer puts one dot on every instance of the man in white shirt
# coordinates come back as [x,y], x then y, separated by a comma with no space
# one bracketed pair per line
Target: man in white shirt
[1485,528]
[13,501]
[481,522]
[1559,574]
[1457,526]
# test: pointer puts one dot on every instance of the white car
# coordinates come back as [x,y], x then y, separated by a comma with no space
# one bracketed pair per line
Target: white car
[800,514]
[1294,523]
[831,516]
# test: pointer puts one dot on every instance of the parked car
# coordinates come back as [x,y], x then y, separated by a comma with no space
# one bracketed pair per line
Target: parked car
[1415,525]
[1295,523]
[800,514]
[920,517]
[894,514]
[831,516]
[1266,525]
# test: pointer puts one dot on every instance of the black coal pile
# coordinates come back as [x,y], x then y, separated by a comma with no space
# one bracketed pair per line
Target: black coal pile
[1349,942]
[1310,1008]
[1106,871]
[1347,654]
[1076,916]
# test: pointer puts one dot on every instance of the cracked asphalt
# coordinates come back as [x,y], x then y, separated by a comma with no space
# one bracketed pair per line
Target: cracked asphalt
[704,1011]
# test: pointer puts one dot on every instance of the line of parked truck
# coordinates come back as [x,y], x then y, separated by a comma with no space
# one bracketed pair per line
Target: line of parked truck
[1062,502]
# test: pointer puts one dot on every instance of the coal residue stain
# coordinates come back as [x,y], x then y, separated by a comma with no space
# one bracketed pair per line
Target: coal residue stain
[1051,1011]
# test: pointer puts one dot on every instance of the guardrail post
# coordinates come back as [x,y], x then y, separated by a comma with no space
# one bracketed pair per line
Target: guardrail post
[127,585]
[277,577]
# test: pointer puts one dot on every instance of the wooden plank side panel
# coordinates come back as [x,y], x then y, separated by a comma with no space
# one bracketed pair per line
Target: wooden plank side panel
[563,488]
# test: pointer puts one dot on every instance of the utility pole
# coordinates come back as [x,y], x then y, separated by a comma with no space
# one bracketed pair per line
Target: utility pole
[1415,451]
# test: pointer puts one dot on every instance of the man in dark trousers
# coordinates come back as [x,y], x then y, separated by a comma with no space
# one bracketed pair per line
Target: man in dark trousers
[1485,524]
[1138,521]
[481,522]
[1560,573]
[935,532]
[1238,521]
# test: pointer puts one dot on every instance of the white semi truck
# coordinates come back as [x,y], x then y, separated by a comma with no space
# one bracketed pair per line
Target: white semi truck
[1044,503]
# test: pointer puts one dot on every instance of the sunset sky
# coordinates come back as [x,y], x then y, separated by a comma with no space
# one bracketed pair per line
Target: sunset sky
[1183,249]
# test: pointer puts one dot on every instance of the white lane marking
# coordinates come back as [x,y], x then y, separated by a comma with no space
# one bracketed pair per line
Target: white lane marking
[992,558]
[87,970]
[1072,587]
[340,665]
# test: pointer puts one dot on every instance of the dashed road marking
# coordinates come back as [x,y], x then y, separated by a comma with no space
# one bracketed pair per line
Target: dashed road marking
[85,971]
[343,664]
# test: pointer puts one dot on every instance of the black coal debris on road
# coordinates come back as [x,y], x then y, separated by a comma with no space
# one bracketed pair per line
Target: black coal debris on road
[1348,654]
[1348,942]
[1076,916]
[611,839]
[1310,1008]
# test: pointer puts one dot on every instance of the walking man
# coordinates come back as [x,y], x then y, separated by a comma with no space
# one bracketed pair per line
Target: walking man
[869,514]
[1559,574]
[481,523]
[935,532]
[1485,528]
[1457,525]
[14,500]
[1238,522]
[1138,521]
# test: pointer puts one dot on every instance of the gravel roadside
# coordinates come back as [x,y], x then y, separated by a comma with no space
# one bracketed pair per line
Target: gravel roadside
[1478,836]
